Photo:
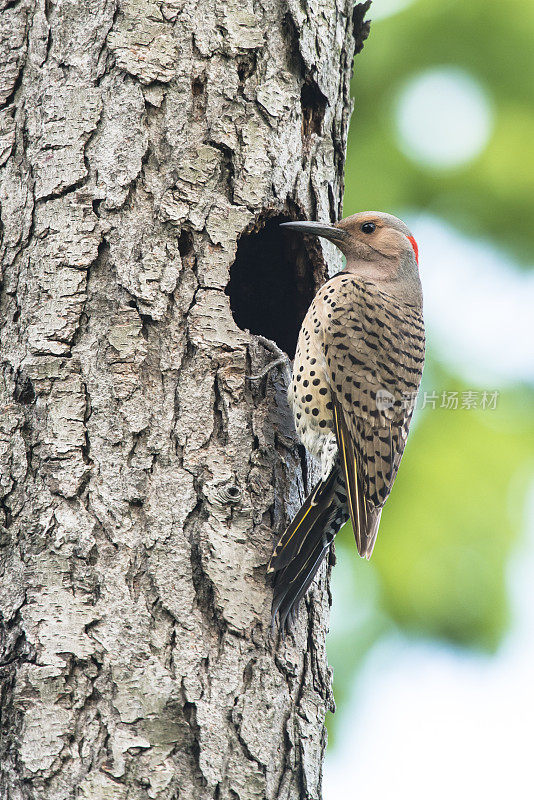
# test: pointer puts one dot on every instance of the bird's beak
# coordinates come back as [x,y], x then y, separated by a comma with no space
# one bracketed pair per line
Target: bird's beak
[330,232]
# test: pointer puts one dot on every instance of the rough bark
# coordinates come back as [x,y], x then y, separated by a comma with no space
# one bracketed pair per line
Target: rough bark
[143,478]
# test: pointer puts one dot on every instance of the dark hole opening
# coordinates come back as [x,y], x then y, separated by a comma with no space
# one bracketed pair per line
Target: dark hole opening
[198,90]
[272,282]
[24,392]
[313,104]
[186,248]
[185,242]
[197,86]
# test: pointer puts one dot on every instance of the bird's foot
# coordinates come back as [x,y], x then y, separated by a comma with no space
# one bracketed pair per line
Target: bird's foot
[282,360]
[278,363]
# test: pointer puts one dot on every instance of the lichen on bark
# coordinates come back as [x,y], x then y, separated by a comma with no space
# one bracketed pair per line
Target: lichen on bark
[142,477]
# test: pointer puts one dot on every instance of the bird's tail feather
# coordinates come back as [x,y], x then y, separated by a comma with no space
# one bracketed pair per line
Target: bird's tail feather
[303,545]
[294,536]
[290,590]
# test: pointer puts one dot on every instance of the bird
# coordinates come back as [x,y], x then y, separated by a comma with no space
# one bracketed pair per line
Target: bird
[357,369]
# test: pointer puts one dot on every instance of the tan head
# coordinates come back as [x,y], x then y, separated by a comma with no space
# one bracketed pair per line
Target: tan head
[378,247]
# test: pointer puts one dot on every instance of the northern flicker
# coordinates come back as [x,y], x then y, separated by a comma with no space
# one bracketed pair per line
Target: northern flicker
[356,373]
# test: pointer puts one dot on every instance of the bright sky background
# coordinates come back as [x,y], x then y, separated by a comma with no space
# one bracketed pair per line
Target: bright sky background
[429,721]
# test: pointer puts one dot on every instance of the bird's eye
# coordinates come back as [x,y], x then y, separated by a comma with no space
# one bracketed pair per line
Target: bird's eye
[368,227]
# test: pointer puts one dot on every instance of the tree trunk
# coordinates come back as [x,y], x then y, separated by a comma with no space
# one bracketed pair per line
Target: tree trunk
[148,151]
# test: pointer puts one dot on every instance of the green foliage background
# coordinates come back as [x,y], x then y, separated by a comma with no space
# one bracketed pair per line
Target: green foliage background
[457,508]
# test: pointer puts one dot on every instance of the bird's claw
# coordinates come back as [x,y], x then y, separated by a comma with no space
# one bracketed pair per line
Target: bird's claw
[267,369]
[282,360]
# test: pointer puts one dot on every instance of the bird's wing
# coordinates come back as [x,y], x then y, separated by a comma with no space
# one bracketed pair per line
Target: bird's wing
[374,349]
[353,480]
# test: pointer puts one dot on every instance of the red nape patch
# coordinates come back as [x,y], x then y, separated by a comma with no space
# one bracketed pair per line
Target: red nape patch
[415,248]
